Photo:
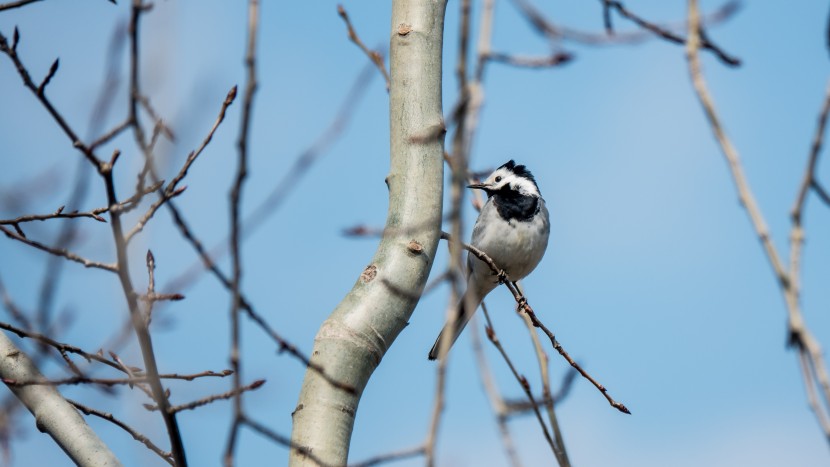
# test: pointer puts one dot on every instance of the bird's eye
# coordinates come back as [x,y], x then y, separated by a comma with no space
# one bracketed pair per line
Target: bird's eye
[498,179]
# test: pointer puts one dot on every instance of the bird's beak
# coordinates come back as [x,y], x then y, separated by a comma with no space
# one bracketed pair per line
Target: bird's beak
[479,186]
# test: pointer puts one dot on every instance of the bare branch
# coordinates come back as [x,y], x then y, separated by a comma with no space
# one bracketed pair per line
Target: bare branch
[391,457]
[525,307]
[553,60]
[373,55]
[236,208]
[17,4]
[58,214]
[217,397]
[813,367]
[62,347]
[37,91]
[58,252]
[491,335]
[668,35]
[134,433]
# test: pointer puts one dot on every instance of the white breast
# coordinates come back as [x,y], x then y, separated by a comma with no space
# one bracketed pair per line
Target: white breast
[515,246]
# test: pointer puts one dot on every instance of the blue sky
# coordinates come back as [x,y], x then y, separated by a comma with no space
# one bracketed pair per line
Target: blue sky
[653,279]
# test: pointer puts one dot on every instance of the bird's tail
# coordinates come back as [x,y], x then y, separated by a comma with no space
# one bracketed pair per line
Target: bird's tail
[454,327]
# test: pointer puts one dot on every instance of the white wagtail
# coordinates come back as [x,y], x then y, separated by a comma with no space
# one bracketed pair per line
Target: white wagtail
[512,229]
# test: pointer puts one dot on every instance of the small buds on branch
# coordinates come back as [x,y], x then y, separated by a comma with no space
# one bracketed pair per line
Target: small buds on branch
[525,307]
[52,70]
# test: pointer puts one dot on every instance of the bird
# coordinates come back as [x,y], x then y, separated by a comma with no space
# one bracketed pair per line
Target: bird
[512,229]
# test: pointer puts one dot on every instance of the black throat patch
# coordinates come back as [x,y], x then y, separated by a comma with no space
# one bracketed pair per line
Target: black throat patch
[512,205]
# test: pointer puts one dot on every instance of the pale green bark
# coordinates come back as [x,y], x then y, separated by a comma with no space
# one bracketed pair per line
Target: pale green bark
[53,414]
[352,341]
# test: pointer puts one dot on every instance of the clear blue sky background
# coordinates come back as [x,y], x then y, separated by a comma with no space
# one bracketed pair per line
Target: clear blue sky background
[653,280]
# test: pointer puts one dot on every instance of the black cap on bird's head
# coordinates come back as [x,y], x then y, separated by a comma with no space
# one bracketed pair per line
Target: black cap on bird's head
[519,170]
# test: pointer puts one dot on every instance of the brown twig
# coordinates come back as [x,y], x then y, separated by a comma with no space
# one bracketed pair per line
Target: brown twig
[558,347]
[13,309]
[76,380]
[373,55]
[649,29]
[497,402]
[58,252]
[814,370]
[391,457]
[491,335]
[11,51]
[236,208]
[455,273]
[134,433]
[547,397]
[271,203]
[58,214]
[108,136]
[280,439]
[525,307]
[553,60]
[668,35]
[17,4]
[217,397]
[138,319]
[60,346]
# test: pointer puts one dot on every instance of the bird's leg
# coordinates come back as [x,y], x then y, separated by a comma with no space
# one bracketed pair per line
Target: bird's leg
[502,276]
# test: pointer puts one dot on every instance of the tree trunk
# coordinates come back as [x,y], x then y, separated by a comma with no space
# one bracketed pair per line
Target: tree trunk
[352,341]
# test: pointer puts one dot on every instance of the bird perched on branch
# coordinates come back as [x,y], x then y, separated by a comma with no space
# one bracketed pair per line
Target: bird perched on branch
[512,229]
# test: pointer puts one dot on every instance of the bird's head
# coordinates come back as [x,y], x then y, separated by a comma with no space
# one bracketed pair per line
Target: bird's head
[509,179]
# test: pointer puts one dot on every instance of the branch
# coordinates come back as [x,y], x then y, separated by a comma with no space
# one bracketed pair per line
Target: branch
[58,214]
[668,35]
[218,397]
[135,434]
[373,55]
[37,90]
[53,414]
[525,307]
[236,208]
[814,370]
[19,236]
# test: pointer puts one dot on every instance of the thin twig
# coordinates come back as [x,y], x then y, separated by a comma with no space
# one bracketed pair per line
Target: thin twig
[525,307]
[550,61]
[547,397]
[648,29]
[236,208]
[271,203]
[108,136]
[373,55]
[664,33]
[58,214]
[59,252]
[280,439]
[813,366]
[60,346]
[17,4]
[138,319]
[523,382]
[217,397]
[497,402]
[391,457]
[47,104]
[134,433]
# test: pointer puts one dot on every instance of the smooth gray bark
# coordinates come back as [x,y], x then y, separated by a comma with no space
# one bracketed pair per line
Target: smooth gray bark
[352,341]
[53,414]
